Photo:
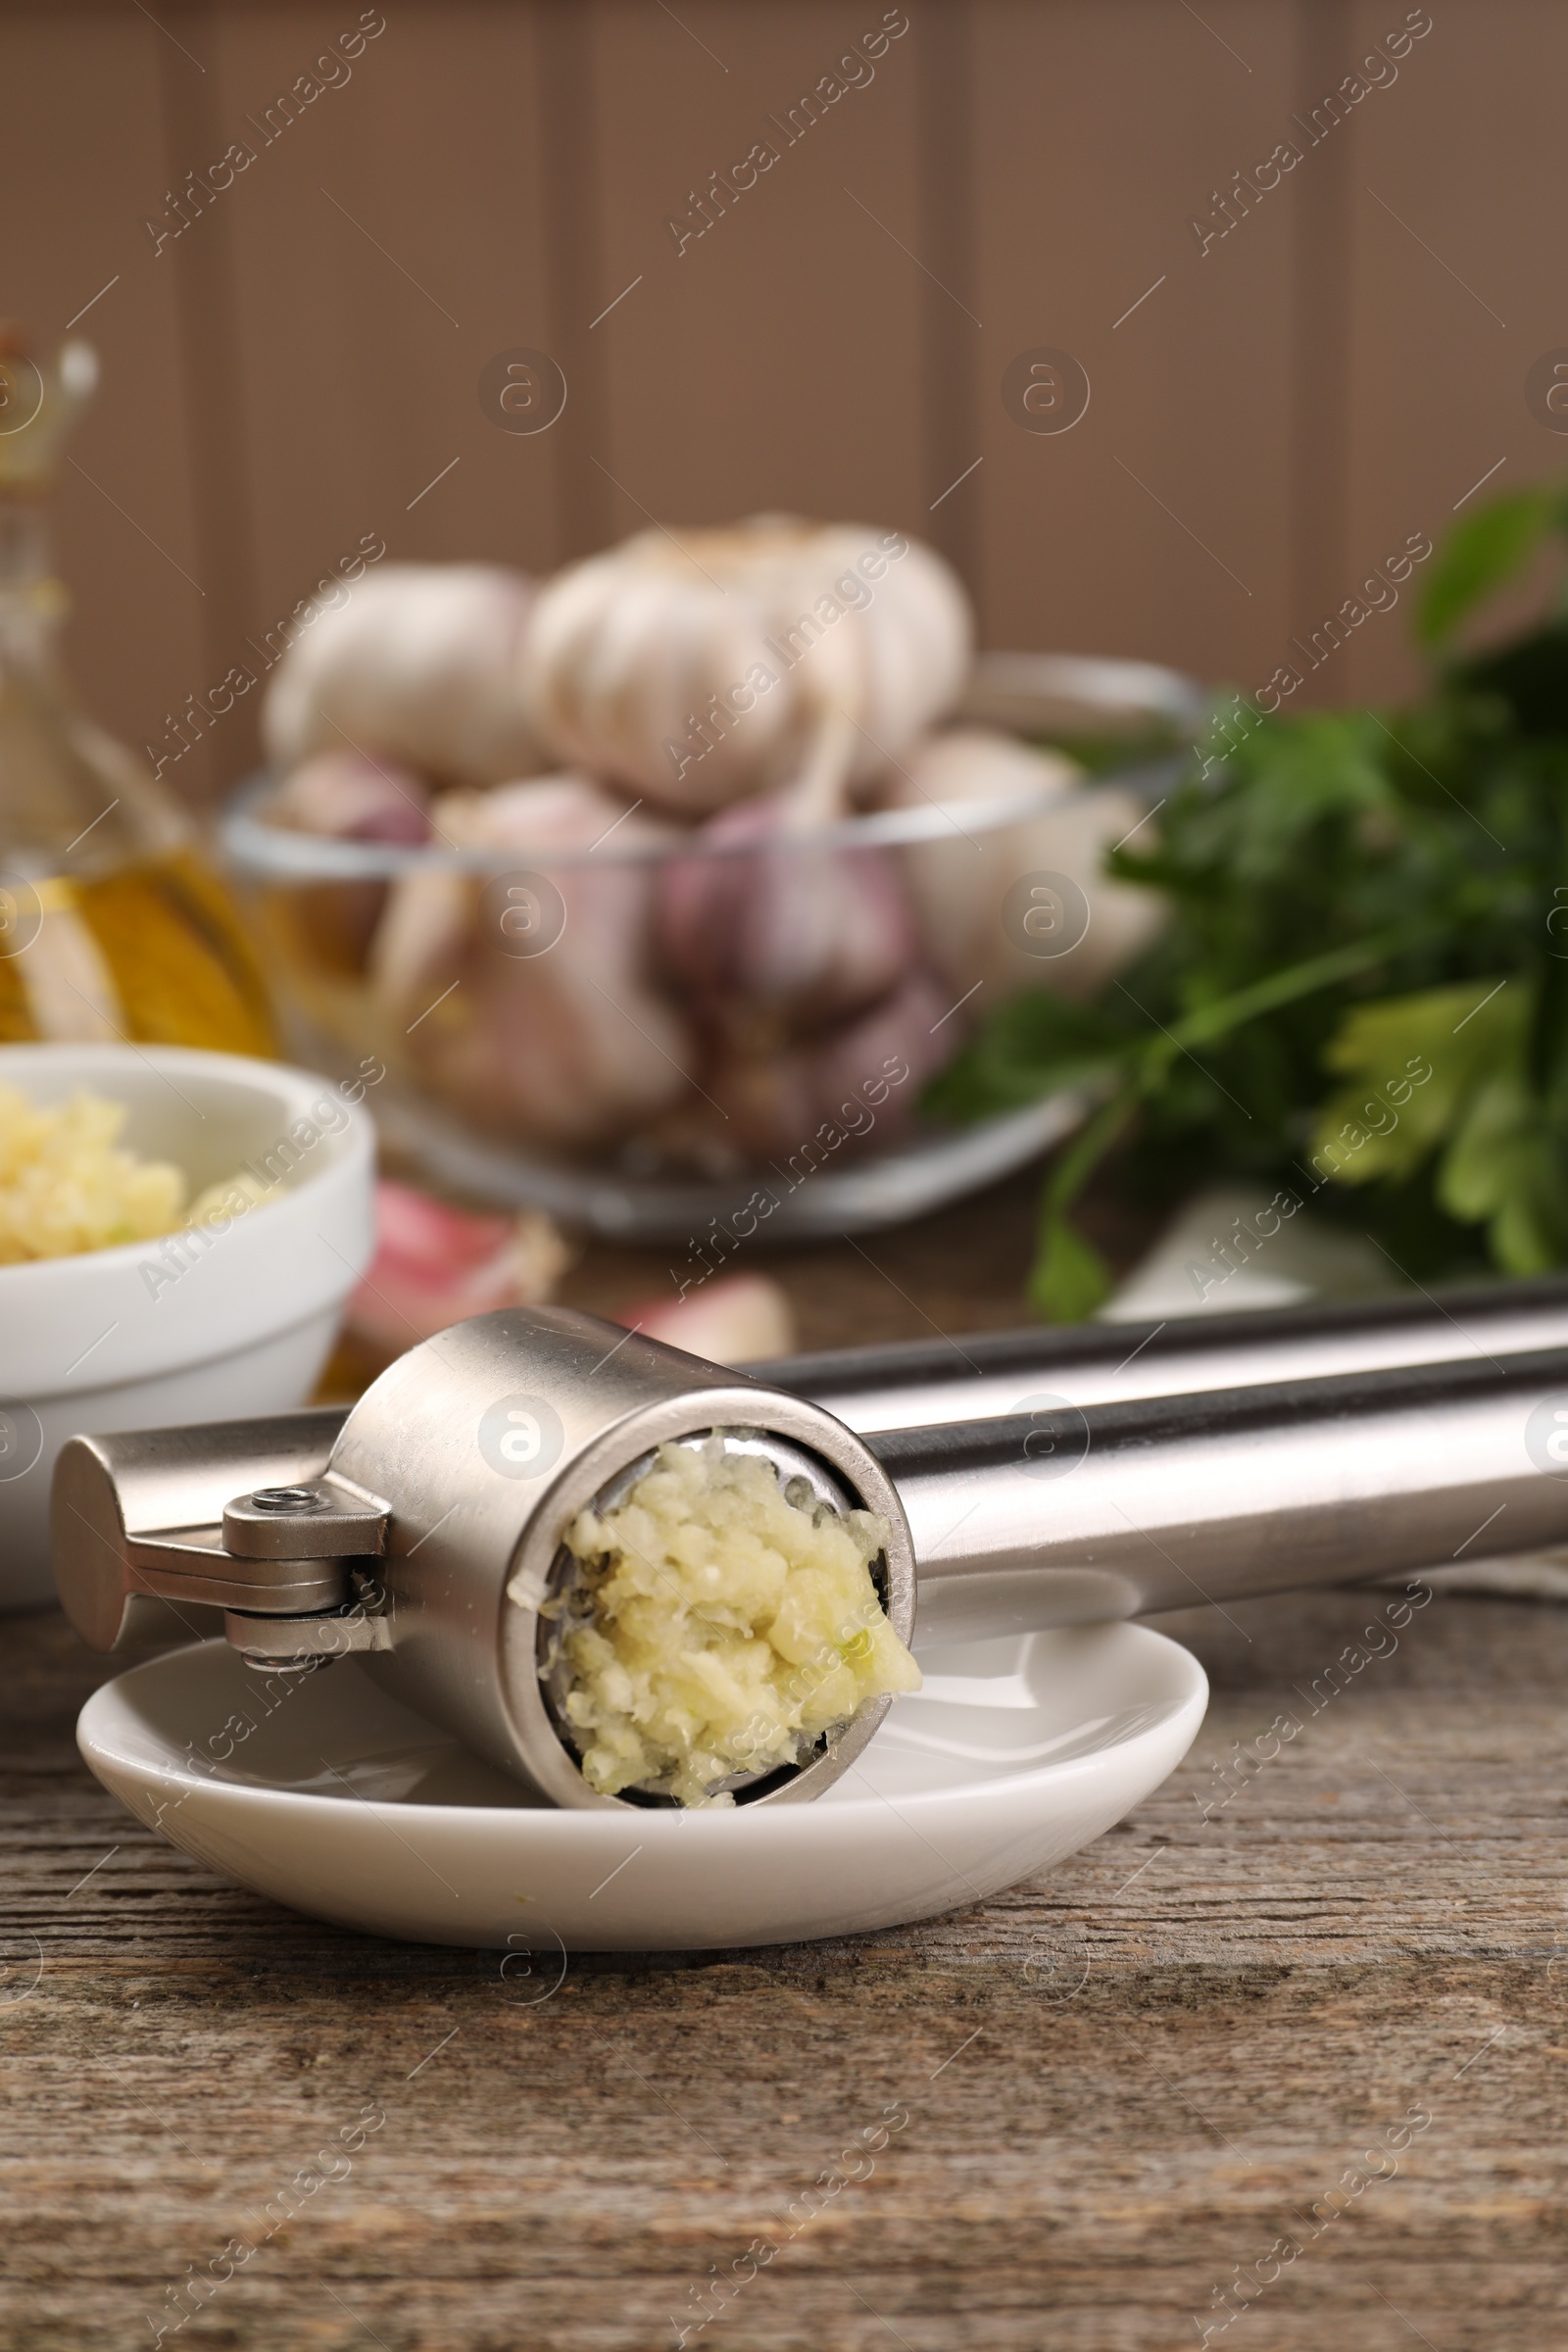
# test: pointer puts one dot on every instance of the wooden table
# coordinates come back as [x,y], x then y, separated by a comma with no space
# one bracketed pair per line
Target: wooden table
[1107,2094]
[963,1269]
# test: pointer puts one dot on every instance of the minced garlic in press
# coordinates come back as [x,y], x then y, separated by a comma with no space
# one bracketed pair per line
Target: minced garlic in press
[729,1622]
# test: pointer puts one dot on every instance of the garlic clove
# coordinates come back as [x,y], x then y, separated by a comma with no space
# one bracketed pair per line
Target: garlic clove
[959,884]
[436,1265]
[423,941]
[418,663]
[572,1047]
[757,920]
[918,640]
[800,1106]
[739,1319]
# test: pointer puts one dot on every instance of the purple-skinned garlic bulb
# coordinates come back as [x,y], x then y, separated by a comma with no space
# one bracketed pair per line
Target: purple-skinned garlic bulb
[526,999]
[760,922]
[801,1103]
[347,796]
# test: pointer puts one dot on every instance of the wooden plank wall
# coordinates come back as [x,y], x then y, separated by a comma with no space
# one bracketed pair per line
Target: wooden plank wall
[1268,415]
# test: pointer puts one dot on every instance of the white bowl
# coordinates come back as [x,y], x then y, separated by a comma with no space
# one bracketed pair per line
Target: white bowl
[123,1339]
[328,1796]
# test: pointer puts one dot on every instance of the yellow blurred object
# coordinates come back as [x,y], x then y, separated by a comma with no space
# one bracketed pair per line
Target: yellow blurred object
[158,958]
[111,925]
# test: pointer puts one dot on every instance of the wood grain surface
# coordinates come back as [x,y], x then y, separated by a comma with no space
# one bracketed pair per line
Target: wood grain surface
[1314,1991]
[961,1269]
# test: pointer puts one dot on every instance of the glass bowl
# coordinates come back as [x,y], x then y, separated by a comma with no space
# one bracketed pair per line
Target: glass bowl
[660,1036]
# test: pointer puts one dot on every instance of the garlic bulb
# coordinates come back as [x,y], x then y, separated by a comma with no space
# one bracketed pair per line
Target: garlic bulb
[800,1105]
[418,663]
[348,797]
[757,920]
[958,882]
[568,1046]
[701,667]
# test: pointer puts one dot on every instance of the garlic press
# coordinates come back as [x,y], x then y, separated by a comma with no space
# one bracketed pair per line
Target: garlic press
[423,1530]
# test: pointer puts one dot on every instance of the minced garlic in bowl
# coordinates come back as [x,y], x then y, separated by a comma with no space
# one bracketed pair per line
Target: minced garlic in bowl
[719,1625]
[67,1184]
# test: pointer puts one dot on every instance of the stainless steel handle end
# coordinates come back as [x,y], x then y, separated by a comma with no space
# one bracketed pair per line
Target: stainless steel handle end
[114,1497]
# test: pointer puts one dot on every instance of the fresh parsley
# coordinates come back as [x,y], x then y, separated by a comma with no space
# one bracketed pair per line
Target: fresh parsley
[1351,896]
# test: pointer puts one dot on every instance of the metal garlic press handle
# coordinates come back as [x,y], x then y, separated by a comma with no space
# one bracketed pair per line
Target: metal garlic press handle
[1076,1515]
[1025,1522]
[914,1386]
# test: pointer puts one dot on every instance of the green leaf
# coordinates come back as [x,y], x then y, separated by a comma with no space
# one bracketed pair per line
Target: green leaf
[1520,1237]
[1415,1062]
[1501,1168]
[1207,1022]
[1486,549]
[1070,1278]
[1032,1046]
[1492,1150]
[1320,768]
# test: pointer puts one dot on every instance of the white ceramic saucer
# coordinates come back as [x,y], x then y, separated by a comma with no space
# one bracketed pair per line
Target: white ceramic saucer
[331,1797]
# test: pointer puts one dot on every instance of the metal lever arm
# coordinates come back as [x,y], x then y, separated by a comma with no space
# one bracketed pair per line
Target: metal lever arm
[279,1550]
[138,1520]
